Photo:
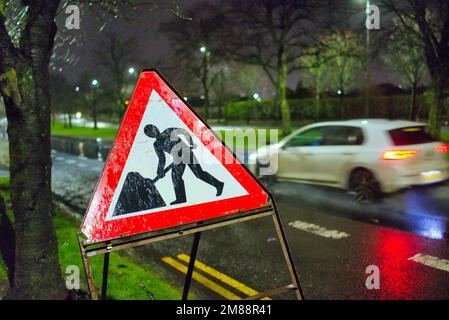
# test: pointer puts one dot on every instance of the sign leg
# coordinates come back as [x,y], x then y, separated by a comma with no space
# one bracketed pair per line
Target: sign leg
[88,271]
[104,286]
[287,254]
[196,242]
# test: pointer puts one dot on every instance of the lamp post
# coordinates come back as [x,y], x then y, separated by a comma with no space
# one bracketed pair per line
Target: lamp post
[204,78]
[95,84]
[367,60]
[69,114]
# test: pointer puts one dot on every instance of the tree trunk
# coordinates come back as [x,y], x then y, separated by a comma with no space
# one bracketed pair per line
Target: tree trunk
[282,90]
[341,106]
[37,271]
[7,242]
[248,110]
[94,111]
[436,112]
[413,109]
[317,96]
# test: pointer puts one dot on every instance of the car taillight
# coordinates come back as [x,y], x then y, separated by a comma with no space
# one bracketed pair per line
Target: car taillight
[399,154]
[442,148]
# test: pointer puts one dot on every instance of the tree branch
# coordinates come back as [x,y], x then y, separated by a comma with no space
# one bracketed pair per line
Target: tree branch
[7,49]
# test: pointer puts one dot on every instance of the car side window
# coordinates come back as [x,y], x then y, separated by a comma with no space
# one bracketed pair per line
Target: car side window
[311,138]
[355,136]
[342,136]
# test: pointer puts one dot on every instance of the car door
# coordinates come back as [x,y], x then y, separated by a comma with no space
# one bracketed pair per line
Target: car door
[339,147]
[296,156]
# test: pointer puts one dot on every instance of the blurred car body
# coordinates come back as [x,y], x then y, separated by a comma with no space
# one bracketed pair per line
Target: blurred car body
[371,154]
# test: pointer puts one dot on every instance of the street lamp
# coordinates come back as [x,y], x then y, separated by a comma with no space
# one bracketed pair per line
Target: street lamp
[77,89]
[131,70]
[367,57]
[95,84]
[205,78]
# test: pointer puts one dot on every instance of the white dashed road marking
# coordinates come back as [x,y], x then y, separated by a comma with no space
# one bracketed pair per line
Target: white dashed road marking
[59,158]
[70,161]
[431,261]
[318,230]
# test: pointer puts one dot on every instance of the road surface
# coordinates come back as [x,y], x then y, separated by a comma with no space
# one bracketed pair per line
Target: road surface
[333,241]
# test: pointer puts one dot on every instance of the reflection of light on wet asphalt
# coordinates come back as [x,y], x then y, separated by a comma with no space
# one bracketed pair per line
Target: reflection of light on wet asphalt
[418,210]
[432,228]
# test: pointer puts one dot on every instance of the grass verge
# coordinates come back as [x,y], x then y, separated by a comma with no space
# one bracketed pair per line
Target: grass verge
[127,279]
[57,128]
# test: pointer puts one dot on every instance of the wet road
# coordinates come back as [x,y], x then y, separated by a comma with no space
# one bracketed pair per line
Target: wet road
[333,239]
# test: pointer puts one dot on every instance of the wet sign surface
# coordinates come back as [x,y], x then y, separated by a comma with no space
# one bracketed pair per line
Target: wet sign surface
[165,169]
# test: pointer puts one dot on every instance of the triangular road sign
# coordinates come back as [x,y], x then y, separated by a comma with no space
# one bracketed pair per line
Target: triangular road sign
[166,169]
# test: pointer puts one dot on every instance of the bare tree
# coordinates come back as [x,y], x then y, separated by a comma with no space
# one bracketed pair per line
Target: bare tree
[273,34]
[115,56]
[432,19]
[316,66]
[194,39]
[64,98]
[405,56]
[344,52]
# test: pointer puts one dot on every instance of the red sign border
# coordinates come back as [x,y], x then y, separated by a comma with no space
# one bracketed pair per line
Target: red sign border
[94,226]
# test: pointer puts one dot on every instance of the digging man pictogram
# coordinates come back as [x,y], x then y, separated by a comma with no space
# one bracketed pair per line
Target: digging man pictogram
[170,141]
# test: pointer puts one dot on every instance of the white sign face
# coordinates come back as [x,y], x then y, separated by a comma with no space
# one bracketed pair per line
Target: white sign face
[203,181]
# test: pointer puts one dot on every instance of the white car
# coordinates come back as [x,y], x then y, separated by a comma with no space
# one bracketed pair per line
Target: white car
[368,156]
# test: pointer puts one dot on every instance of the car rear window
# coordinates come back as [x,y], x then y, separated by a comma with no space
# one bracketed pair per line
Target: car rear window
[410,135]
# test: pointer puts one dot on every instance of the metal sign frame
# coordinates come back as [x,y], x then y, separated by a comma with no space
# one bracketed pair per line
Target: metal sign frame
[90,250]
[106,247]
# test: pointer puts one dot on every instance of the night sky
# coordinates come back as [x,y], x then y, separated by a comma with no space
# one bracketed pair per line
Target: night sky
[76,57]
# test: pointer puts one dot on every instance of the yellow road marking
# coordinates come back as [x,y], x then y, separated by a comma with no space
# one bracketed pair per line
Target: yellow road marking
[203,280]
[221,276]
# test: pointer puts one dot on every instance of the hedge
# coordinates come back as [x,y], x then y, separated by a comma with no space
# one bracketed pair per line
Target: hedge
[352,107]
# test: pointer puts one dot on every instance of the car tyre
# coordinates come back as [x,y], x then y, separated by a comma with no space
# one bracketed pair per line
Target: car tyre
[364,186]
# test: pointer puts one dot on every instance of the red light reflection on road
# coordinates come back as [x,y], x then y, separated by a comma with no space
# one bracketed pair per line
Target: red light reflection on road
[399,277]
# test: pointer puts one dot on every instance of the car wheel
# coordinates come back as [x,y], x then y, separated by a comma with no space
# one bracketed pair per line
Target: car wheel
[364,186]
